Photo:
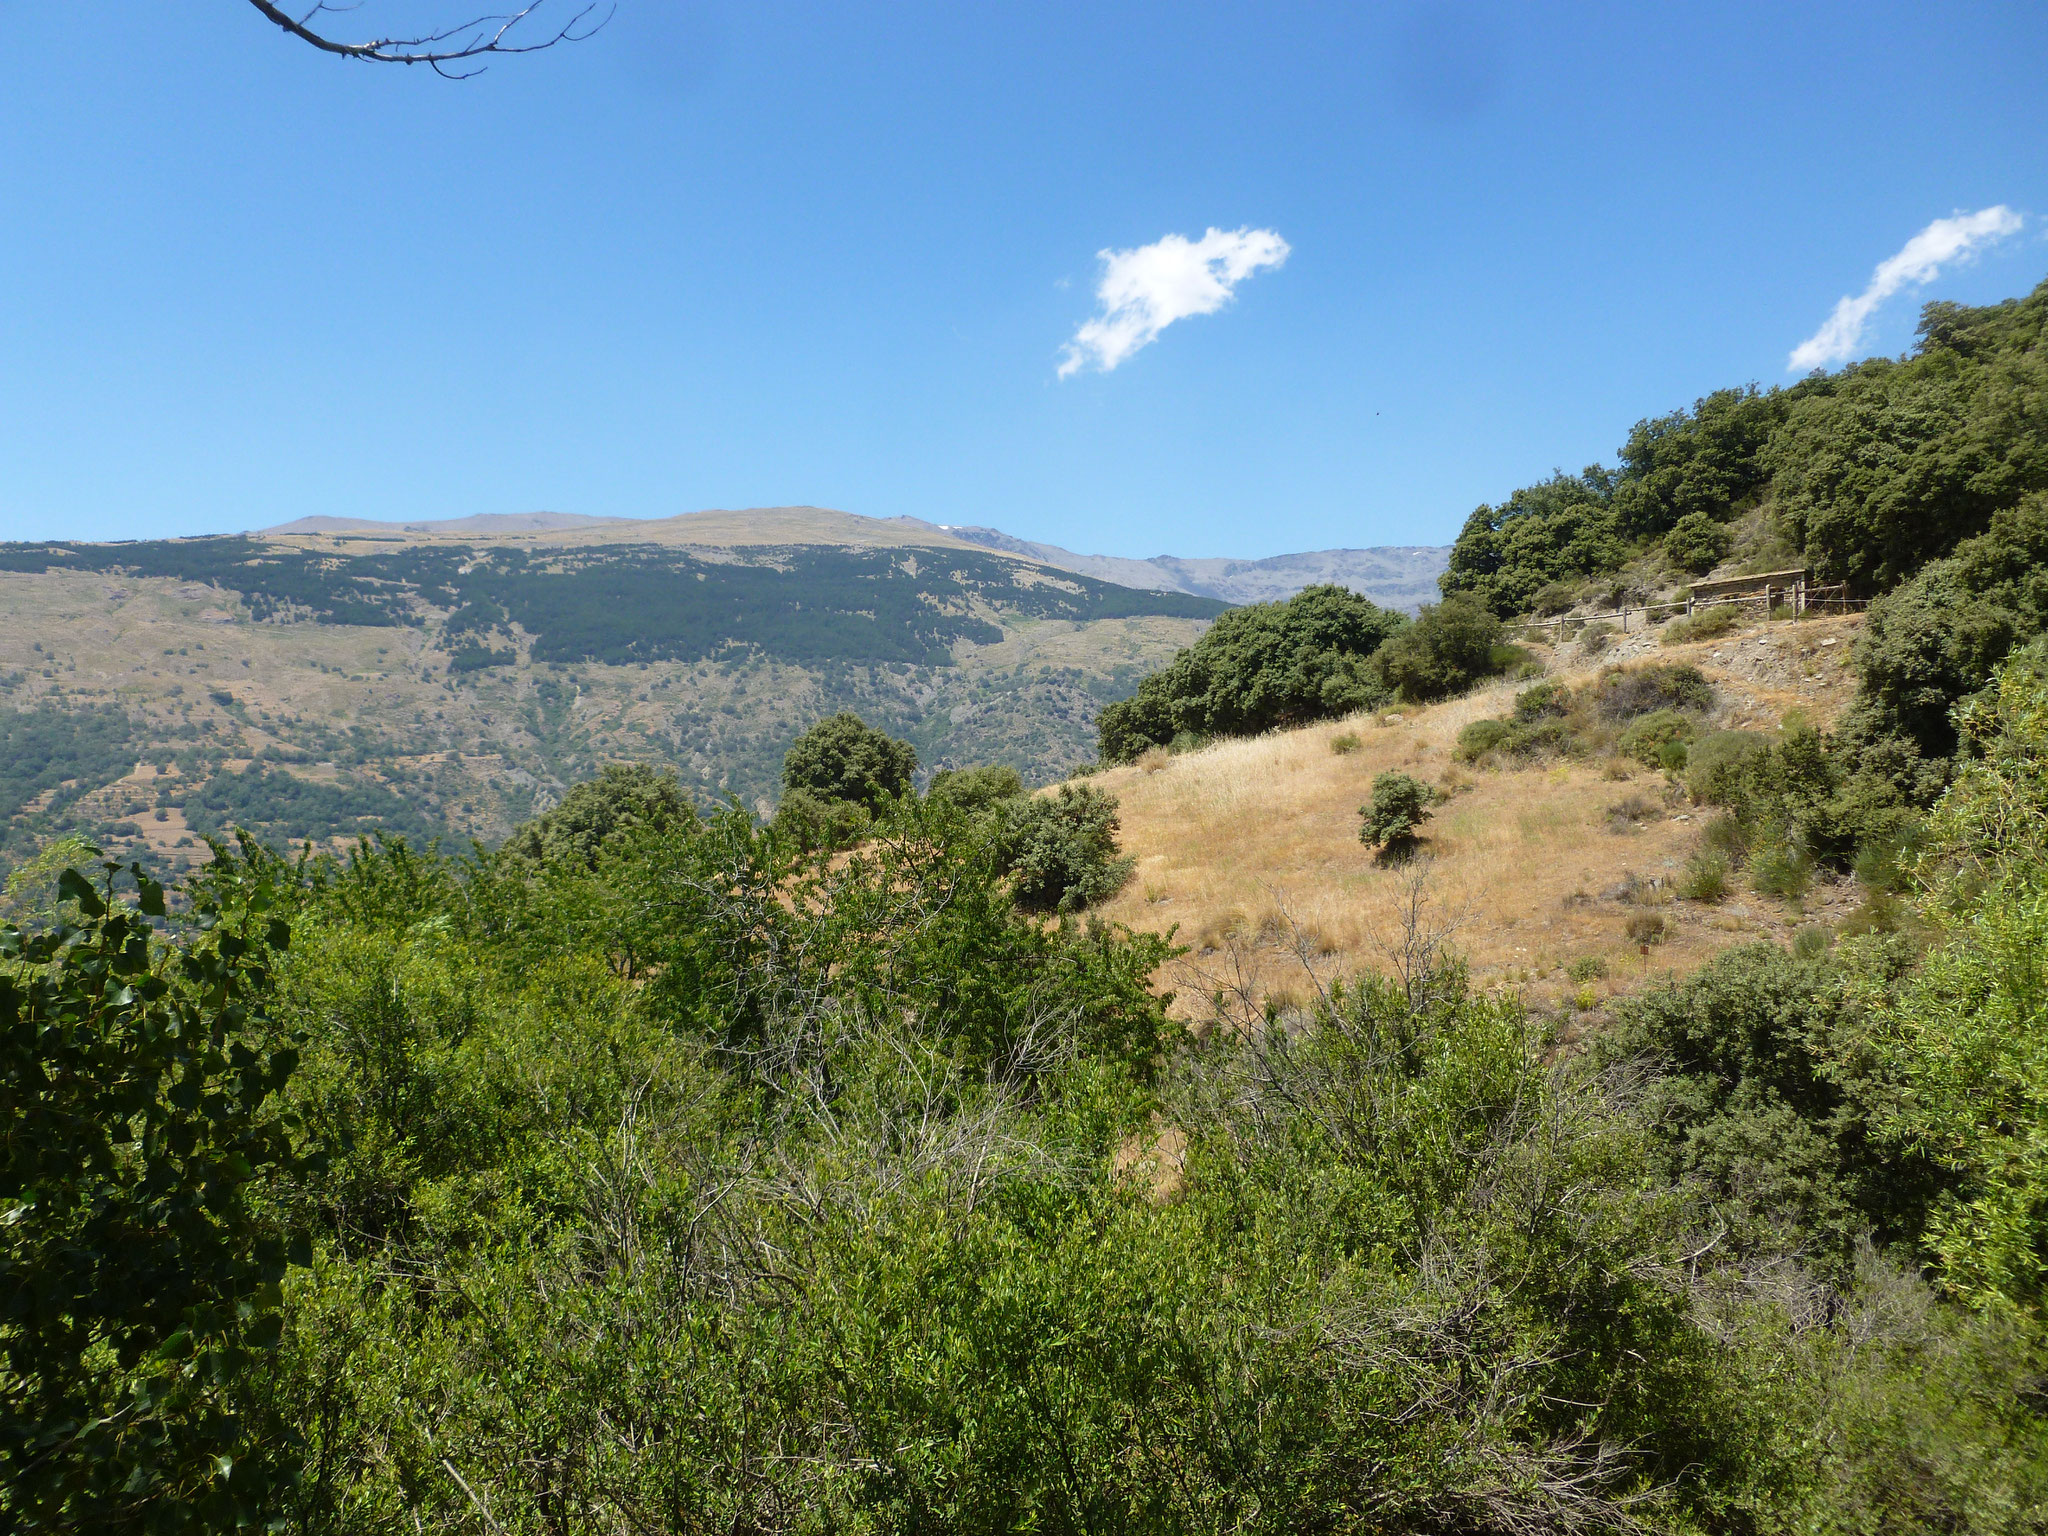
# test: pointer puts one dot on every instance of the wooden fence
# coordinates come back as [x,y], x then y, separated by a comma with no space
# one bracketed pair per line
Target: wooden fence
[1798,596]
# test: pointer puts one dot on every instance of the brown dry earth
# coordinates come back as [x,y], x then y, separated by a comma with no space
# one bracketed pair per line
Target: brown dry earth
[1248,851]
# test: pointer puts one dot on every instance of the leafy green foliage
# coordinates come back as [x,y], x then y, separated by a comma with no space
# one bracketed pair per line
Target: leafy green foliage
[1969,1030]
[1543,535]
[286,809]
[1888,465]
[843,758]
[1062,848]
[1399,806]
[972,791]
[1938,638]
[1699,464]
[1258,668]
[1697,543]
[1648,735]
[625,801]
[139,1277]
[1450,646]
[1767,1103]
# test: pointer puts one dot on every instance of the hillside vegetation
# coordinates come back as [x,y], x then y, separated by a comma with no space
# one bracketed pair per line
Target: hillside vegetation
[1248,849]
[660,1175]
[326,686]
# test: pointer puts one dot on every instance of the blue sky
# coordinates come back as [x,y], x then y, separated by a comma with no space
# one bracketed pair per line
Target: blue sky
[726,255]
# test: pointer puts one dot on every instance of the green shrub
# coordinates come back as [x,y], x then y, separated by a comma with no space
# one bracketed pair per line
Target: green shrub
[1508,739]
[1543,534]
[1811,943]
[843,758]
[1697,543]
[1672,757]
[1715,763]
[1551,599]
[1623,694]
[1345,743]
[1781,869]
[1479,738]
[1938,638]
[1258,668]
[1587,968]
[1701,624]
[1895,462]
[142,1269]
[1545,701]
[1706,876]
[1647,736]
[1450,646]
[1646,928]
[813,823]
[625,801]
[1400,805]
[1697,463]
[975,790]
[1062,849]
[1764,1102]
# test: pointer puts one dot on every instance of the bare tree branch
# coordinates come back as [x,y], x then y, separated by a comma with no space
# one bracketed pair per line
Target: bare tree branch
[473,39]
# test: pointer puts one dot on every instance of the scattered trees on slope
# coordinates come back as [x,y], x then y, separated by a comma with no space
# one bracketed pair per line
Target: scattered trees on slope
[855,1157]
[1258,667]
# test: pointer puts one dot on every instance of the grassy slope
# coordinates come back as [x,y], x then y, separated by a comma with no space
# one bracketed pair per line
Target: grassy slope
[1244,844]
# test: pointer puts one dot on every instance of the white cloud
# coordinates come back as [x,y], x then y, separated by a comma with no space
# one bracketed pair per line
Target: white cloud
[1143,291]
[1919,261]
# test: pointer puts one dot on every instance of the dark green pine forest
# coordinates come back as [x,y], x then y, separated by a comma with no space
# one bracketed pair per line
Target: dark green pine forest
[672,1170]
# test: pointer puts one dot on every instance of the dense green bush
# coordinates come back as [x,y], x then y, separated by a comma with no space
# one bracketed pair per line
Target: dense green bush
[975,790]
[1938,638]
[1542,536]
[1258,668]
[1623,694]
[1450,646]
[1514,739]
[1766,1104]
[1399,806]
[1697,543]
[1647,736]
[138,1272]
[1890,464]
[1700,463]
[843,758]
[625,800]
[1062,849]
[1545,701]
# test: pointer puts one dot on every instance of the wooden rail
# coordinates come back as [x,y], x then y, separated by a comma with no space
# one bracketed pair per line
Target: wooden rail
[1801,598]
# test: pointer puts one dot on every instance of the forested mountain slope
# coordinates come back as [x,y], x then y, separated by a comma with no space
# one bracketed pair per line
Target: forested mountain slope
[327,684]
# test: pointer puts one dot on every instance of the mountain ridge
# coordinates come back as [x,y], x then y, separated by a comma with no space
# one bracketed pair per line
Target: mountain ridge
[1395,576]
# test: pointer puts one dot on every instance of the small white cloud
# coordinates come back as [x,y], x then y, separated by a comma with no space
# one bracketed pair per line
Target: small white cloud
[1919,261]
[1143,291]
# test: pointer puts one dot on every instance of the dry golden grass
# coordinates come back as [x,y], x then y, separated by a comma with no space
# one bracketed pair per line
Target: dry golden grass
[1258,839]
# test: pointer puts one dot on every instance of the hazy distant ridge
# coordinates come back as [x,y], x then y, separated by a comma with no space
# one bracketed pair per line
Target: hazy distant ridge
[1394,576]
